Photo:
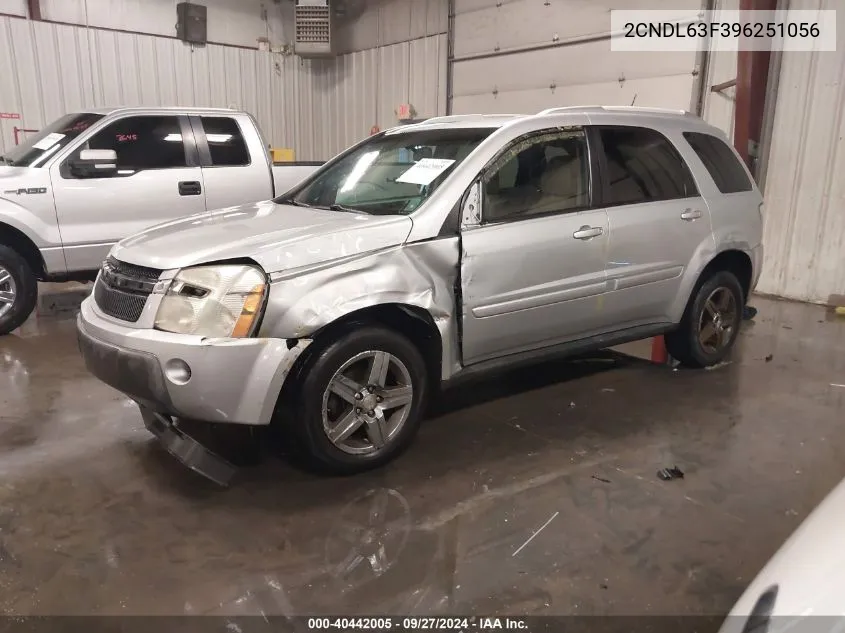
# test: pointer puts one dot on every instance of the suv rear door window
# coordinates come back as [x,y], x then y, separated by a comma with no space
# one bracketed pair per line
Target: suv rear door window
[225,142]
[721,162]
[642,165]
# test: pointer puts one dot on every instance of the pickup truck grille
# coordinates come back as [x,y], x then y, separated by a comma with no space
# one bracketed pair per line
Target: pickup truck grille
[122,289]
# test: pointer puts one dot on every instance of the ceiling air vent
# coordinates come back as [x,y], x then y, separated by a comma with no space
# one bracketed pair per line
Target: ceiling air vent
[313,28]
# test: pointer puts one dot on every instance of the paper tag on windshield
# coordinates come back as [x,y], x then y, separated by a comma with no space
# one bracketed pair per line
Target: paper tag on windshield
[48,141]
[425,171]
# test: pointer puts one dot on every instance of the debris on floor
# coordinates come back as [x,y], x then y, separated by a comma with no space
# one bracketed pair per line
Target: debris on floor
[833,384]
[840,311]
[748,313]
[601,479]
[608,390]
[769,358]
[724,363]
[571,405]
[667,474]
[533,536]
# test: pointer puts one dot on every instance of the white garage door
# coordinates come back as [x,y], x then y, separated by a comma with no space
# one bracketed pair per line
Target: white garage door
[521,56]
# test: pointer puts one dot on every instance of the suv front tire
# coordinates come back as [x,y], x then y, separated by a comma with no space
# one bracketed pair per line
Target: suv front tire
[357,401]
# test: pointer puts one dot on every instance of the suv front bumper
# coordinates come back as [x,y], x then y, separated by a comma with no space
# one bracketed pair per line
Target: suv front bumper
[234,381]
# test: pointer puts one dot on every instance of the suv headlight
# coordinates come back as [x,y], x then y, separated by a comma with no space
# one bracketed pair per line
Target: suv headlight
[214,301]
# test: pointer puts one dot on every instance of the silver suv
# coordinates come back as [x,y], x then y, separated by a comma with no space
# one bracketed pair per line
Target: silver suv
[423,255]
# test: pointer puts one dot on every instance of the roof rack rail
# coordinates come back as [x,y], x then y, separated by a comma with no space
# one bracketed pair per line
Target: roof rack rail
[455,118]
[614,109]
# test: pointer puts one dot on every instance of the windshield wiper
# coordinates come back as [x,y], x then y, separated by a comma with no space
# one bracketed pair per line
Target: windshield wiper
[340,207]
[295,203]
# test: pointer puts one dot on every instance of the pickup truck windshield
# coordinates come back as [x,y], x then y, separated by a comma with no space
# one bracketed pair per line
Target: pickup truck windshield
[36,149]
[392,174]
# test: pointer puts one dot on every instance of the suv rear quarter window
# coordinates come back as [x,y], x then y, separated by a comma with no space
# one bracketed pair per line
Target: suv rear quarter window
[721,162]
[642,165]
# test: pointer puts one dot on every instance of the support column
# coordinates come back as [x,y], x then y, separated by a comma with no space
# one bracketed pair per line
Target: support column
[34,9]
[751,81]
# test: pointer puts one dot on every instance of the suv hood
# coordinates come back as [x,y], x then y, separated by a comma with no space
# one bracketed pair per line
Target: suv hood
[277,236]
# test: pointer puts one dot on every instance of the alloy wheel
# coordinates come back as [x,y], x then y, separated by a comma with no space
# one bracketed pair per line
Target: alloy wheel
[718,320]
[367,402]
[8,291]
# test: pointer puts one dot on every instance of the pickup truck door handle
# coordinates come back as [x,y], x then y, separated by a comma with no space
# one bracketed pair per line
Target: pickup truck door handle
[690,214]
[190,188]
[587,232]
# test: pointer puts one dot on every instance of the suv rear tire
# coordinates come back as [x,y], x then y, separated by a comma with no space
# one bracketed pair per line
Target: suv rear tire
[349,380]
[18,290]
[711,322]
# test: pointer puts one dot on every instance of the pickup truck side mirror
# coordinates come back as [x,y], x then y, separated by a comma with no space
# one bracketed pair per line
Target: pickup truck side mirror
[94,163]
[471,208]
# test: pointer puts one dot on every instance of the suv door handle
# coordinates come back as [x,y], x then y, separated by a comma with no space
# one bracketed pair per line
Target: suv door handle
[190,188]
[587,232]
[689,215]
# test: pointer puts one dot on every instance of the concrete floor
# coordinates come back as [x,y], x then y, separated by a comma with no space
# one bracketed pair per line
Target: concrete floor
[96,519]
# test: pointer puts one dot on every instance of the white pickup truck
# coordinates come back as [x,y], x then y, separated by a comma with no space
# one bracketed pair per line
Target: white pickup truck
[91,178]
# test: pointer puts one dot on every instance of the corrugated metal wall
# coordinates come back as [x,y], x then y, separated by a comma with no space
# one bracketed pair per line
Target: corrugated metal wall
[349,95]
[239,22]
[804,231]
[318,107]
[15,7]
[363,24]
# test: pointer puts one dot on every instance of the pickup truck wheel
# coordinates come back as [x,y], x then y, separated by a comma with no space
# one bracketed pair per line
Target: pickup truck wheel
[360,400]
[18,290]
[711,323]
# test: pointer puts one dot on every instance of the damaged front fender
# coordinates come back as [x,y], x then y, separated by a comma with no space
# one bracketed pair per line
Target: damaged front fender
[420,275]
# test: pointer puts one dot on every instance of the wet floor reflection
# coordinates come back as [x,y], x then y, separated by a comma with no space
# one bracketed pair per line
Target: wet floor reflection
[95,518]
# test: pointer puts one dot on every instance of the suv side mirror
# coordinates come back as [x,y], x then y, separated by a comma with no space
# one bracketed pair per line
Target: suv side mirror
[94,163]
[471,207]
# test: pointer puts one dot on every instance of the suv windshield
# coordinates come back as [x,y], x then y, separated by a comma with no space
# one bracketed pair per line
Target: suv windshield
[391,174]
[36,149]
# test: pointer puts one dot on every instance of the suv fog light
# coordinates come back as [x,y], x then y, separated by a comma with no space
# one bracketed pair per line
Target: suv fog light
[177,371]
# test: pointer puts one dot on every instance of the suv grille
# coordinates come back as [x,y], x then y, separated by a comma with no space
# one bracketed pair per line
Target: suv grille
[122,289]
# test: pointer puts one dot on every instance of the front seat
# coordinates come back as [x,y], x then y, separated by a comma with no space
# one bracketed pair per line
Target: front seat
[563,185]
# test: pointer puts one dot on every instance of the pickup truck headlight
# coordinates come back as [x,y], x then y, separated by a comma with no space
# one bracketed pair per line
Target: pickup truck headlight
[213,301]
